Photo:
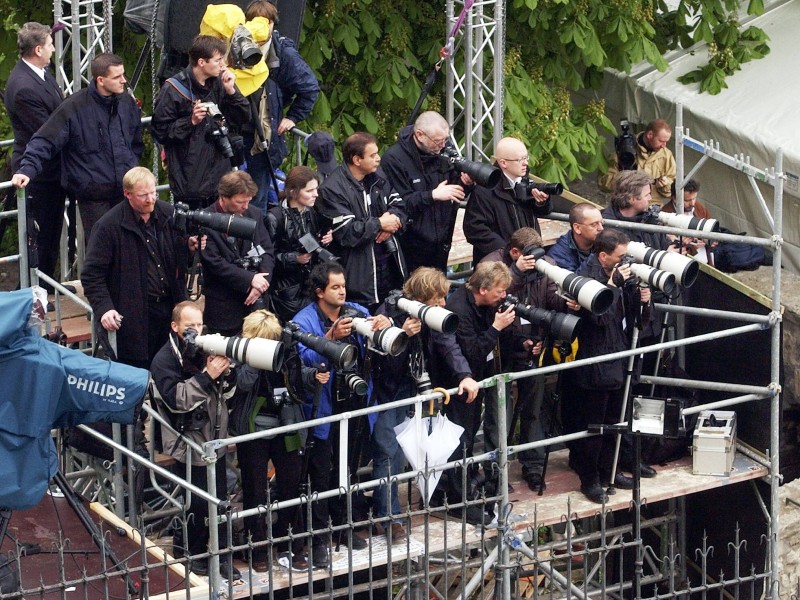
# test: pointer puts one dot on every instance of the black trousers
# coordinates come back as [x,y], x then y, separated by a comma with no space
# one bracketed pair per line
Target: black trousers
[46,206]
[592,457]
[254,457]
[469,417]
[197,515]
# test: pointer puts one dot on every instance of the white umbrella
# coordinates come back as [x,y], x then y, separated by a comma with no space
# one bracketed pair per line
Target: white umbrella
[431,438]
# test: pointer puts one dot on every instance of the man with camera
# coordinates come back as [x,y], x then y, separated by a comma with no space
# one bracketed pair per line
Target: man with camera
[193,392]
[572,250]
[646,152]
[98,132]
[236,271]
[191,117]
[631,197]
[493,215]
[332,317]
[522,344]
[405,375]
[134,269]
[479,326]
[593,394]
[365,213]
[430,187]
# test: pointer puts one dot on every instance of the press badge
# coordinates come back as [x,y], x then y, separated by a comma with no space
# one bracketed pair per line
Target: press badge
[490,356]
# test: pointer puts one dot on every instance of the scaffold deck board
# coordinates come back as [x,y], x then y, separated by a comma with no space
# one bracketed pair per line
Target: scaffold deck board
[441,535]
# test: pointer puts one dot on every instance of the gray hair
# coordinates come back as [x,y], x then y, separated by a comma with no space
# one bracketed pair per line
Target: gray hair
[627,186]
[29,36]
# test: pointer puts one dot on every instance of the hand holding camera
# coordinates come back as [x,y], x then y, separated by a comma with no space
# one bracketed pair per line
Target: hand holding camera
[504,317]
[217,365]
[620,274]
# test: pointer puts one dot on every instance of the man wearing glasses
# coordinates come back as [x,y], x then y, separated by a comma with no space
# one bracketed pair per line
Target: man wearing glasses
[186,121]
[494,214]
[431,195]
[573,248]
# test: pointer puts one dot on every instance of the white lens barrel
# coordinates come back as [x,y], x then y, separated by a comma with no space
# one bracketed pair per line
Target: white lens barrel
[259,353]
[663,280]
[391,340]
[590,294]
[437,318]
[688,222]
[685,269]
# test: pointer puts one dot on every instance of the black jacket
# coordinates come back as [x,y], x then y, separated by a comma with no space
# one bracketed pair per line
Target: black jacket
[99,137]
[30,100]
[427,237]
[656,240]
[195,162]
[531,288]
[225,284]
[607,333]
[341,200]
[286,226]
[114,275]
[475,335]
[492,215]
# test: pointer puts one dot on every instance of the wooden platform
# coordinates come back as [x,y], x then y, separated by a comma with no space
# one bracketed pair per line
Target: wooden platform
[561,497]
[74,318]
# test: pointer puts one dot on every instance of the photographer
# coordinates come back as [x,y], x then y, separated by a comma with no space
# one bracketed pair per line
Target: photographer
[521,345]
[492,215]
[236,271]
[652,157]
[630,200]
[572,250]
[257,408]
[286,224]
[190,119]
[479,328]
[431,190]
[327,317]
[593,394]
[134,270]
[366,214]
[193,396]
[403,376]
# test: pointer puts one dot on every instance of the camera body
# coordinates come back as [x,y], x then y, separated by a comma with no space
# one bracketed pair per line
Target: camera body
[626,147]
[244,52]
[249,263]
[561,326]
[218,129]
[525,187]
[651,215]
[310,244]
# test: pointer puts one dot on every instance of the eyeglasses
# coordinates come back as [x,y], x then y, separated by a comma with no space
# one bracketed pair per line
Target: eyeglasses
[435,141]
[522,159]
[593,224]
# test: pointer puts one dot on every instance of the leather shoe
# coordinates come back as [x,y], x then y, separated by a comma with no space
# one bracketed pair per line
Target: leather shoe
[622,481]
[320,558]
[595,493]
[647,471]
[535,482]
[352,541]
[398,532]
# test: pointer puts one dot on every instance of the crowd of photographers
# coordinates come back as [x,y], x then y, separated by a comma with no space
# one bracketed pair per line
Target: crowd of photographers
[336,298]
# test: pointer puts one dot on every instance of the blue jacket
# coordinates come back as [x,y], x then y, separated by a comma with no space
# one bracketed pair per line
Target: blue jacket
[566,254]
[99,137]
[310,321]
[291,83]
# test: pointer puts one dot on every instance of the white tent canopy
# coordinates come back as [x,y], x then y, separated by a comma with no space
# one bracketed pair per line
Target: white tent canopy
[756,115]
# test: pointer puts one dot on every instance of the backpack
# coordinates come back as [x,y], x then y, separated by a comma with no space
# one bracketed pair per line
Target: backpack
[731,257]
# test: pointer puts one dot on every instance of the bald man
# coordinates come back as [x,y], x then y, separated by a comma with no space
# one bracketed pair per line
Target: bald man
[494,214]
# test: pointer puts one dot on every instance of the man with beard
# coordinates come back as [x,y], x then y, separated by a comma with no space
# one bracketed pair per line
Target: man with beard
[430,192]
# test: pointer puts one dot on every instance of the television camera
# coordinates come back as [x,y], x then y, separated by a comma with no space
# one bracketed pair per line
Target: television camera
[626,147]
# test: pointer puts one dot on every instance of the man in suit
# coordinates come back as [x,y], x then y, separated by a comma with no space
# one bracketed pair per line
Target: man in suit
[31,96]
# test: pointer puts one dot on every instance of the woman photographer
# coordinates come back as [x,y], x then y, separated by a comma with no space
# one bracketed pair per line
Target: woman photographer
[259,406]
[287,223]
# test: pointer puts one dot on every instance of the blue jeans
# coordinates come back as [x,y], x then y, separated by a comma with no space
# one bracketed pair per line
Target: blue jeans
[387,457]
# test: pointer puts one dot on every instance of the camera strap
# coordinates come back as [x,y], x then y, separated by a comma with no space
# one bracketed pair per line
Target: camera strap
[181,89]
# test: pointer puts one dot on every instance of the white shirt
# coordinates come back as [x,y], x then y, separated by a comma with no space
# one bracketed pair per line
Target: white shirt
[38,70]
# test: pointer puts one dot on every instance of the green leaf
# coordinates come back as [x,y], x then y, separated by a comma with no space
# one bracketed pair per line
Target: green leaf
[756,7]
[714,82]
